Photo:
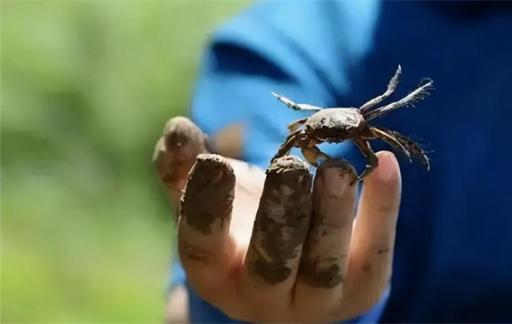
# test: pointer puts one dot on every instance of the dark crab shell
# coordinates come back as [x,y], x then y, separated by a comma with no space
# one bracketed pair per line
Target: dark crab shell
[336,124]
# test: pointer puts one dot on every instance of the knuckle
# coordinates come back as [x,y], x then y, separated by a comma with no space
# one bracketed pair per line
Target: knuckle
[321,272]
[192,252]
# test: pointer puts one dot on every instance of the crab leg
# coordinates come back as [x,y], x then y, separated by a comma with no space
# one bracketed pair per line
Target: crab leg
[292,127]
[409,100]
[312,154]
[295,106]
[410,146]
[393,83]
[372,161]
[391,140]
[287,145]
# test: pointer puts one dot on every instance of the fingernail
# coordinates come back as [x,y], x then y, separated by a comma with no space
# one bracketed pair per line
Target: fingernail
[386,169]
[182,137]
[338,174]
[177,149]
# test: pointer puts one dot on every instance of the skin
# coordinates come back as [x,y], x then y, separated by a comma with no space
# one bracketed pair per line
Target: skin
[304,260]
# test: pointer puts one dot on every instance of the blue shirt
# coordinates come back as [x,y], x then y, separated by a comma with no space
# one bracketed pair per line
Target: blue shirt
[453,258]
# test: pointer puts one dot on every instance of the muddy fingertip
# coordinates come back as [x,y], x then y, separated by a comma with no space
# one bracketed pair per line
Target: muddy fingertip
[176,151]
[287,163]
[336,169]
[209,193]
[211,168]
[291,172]
[181,134]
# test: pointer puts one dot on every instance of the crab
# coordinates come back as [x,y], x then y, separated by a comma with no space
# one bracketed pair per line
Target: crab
[335,125]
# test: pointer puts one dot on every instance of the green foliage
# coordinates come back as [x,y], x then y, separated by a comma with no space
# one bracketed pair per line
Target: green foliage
[86,89]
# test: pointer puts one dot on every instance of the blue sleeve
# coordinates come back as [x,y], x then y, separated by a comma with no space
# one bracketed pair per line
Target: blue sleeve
[202,312]
[303,50]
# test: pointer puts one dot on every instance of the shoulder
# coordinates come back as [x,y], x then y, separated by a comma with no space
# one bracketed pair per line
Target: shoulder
[328,35]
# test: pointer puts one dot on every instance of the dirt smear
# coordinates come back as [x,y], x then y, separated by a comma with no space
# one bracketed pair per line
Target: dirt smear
[209,193]
[322,273]
[324,256]
[282,220]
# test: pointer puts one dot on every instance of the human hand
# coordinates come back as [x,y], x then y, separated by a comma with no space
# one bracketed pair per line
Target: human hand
[306,260]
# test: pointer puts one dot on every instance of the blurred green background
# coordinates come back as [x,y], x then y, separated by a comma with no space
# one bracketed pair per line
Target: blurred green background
[86,89]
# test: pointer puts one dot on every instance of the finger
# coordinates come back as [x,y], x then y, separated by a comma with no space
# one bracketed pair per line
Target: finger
[324,257]
[176,152]
[205,209]
[279,231]
[371,250]
[205,249]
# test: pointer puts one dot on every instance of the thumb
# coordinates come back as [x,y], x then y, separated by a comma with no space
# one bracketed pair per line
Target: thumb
[176,152]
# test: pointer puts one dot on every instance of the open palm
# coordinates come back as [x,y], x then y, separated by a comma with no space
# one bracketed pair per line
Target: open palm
[280,245]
